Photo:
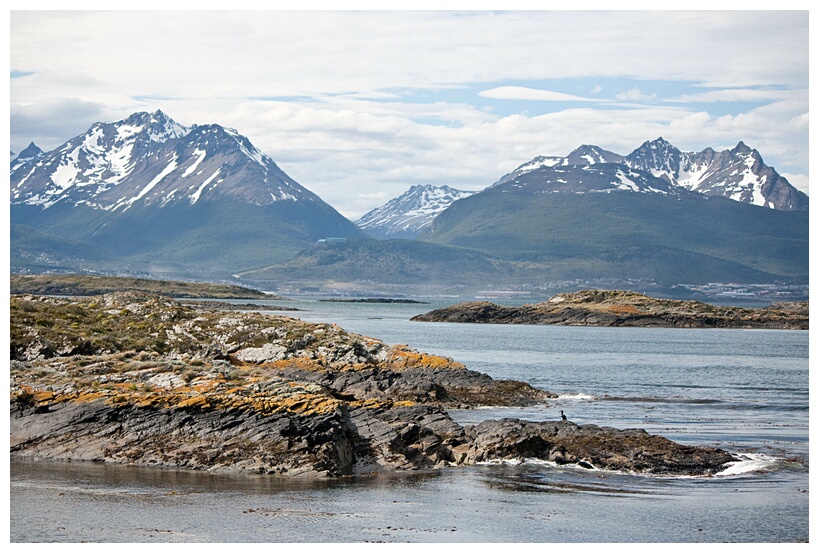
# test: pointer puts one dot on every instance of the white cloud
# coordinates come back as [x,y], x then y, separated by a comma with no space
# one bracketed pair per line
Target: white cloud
[635,95]
[740,95]
[525,93]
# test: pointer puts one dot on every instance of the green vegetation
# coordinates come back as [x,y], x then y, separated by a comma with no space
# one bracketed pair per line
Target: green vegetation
[396,261]
[140,322]
[690,239]
[205,240]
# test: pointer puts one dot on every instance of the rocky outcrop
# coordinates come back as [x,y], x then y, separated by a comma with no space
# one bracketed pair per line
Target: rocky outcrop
[113,329]
[619,308]
[589,446]
[330,438]
[141,379]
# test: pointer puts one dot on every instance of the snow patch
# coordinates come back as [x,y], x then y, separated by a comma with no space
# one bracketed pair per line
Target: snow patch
[125,132]
[195,196]
[192,168]
[66,173]
[626,183]
[165,172]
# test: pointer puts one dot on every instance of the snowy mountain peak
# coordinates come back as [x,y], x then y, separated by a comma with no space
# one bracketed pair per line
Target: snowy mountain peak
[589,155]
[738,174]
[157,126]
[411,212]
[148,158]
[588,179]
[586,154]
[657,156]
[534,165]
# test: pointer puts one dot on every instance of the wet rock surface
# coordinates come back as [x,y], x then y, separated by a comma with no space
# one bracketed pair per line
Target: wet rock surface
[590,446]
[137,378]
[619,308]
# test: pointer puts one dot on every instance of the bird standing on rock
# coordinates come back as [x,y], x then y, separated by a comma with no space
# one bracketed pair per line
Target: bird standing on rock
[562,416]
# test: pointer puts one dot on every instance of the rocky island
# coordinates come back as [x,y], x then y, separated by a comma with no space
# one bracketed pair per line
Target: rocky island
[138,378]
[620,308]
[94,285]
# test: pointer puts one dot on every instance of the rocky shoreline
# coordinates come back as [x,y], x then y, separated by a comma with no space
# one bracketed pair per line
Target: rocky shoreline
[620,308]
[141,379]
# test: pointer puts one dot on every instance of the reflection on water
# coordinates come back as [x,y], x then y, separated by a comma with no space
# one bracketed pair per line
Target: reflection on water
[77,502]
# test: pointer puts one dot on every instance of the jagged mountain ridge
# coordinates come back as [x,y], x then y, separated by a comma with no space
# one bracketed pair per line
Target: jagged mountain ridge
[411,212]
[739,174]
[158,196]
[151,159]
[29,154]
[588,179]
[584,155]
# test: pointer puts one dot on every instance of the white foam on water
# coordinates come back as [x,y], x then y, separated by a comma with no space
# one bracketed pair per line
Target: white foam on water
[577,396]
[517,462]
[750,463]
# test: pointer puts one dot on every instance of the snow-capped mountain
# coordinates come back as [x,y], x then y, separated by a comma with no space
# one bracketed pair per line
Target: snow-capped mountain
[584,155]
[411,212]
[153,193]
[32,152]
[738,174]
[657,156]
[589,155]
[587,179]
[150,159]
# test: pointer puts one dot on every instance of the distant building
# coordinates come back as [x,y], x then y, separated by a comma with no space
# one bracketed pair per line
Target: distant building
[331,241]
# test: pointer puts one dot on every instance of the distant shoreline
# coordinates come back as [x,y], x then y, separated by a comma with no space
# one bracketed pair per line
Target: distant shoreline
[92,285]
[371,300]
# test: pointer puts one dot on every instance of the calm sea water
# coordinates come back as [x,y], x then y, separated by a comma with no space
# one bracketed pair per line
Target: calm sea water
[745,391]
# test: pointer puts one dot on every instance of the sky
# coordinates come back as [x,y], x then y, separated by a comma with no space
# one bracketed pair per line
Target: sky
[359,105]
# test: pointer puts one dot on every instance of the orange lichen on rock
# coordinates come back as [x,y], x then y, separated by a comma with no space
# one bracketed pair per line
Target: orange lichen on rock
[403,357]
[194,401]
[43,396]
[88,397]
[622,308]
[304,363]
[204,386]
